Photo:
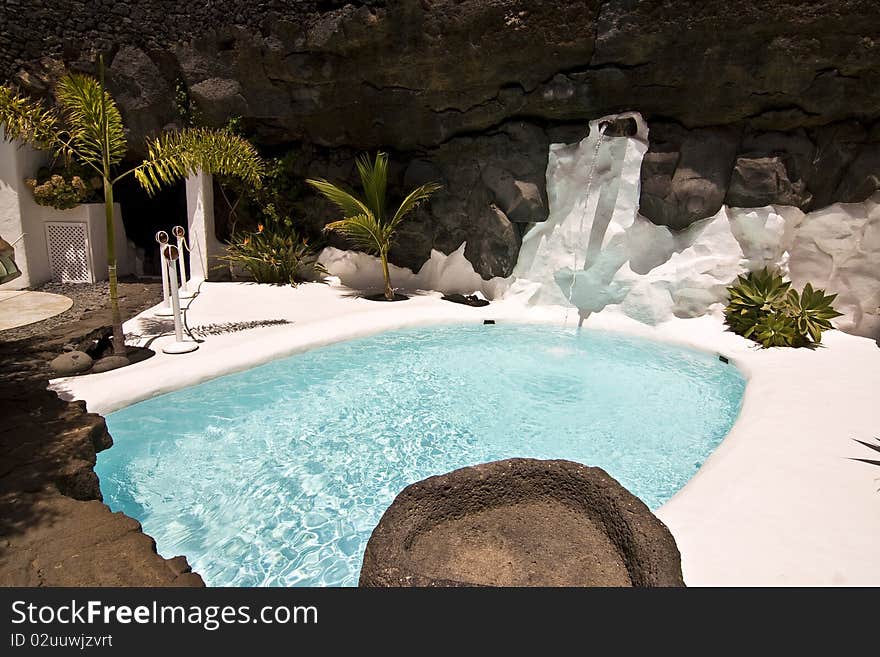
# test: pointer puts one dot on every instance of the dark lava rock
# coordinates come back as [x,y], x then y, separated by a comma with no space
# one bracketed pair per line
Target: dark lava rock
[861,177]
[109,363]
[70,363]
[685,173]
[760,181]
[483,179]
[837,146]
[439,81]
[520,200]
[219,98]
[491,183]
[54,530]
[412,74]
[467,300]
[520,522]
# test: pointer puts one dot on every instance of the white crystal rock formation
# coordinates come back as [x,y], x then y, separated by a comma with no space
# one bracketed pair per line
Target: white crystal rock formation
[838,248]
[449,274]
[595,250]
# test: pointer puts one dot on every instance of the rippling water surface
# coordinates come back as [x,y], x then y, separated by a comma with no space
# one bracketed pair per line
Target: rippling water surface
[276,476]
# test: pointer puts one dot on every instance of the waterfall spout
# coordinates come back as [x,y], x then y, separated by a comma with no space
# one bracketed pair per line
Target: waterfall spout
[593,188]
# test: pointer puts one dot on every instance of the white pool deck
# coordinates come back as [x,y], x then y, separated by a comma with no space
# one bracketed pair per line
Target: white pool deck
[780,502]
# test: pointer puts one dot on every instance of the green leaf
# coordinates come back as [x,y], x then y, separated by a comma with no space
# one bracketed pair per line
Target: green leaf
[29,120]
[348,203]
[365,223]
[762,306]
[363,231]
[413,199]
[374,180]
[176,155]
[92,119]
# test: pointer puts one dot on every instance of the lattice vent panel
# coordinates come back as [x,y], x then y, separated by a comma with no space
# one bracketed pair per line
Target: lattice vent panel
[68,245]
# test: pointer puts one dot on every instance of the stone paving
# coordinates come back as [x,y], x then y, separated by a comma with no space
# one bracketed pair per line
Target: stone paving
[54,529]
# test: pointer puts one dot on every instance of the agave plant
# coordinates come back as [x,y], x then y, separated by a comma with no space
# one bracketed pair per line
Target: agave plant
[366,222]
[811,311]
[876,448]
[776,329]
[752,297]
[86,126]
[764,308]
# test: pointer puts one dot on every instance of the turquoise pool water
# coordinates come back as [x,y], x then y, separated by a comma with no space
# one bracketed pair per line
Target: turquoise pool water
[277,475]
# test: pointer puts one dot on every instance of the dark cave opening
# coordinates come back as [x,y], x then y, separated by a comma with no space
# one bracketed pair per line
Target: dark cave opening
[143,215]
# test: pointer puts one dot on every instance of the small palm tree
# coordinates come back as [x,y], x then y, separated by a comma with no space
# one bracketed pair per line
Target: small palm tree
[365,221]
[86,126]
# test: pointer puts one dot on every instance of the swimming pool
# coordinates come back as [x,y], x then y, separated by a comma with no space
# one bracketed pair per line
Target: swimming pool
[278,475]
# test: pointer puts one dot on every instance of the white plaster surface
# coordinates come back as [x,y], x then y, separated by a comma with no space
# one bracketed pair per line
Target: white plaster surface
[778,503]
[18,212]
[838,248]
[93,215]
[448,274]
[201,236]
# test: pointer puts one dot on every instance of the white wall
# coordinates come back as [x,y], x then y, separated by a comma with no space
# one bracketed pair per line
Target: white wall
[18,214]
[202,239]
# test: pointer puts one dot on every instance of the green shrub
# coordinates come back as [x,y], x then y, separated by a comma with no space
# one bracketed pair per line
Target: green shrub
[244,206]
[61,189]
[366,222]
[274,253]
[753,297]
[776,329]
[764,308]
[812,311]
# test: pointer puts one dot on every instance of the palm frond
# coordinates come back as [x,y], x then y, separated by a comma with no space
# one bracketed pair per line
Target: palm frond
[350,204]
[175,155]
[374,180]
[92,119]
[363,231]
[412,200]
[29,120]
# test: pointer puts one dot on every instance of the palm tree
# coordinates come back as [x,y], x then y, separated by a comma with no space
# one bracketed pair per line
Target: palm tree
[365,221]
[86,126]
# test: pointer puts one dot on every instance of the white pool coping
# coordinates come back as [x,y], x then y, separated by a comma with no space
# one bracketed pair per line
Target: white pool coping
[779,502]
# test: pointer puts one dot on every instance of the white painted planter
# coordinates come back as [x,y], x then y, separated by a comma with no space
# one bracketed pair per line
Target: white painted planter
[74,262]
[23,223]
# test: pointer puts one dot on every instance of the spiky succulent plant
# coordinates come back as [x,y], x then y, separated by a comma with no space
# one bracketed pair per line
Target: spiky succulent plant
[752,297]
[763,307]
[811,311]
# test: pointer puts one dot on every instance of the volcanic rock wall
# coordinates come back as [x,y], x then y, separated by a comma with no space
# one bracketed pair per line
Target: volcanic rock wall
[749,103]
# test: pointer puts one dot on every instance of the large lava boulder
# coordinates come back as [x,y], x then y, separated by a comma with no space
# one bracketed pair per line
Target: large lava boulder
[520,522]
[70,363]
